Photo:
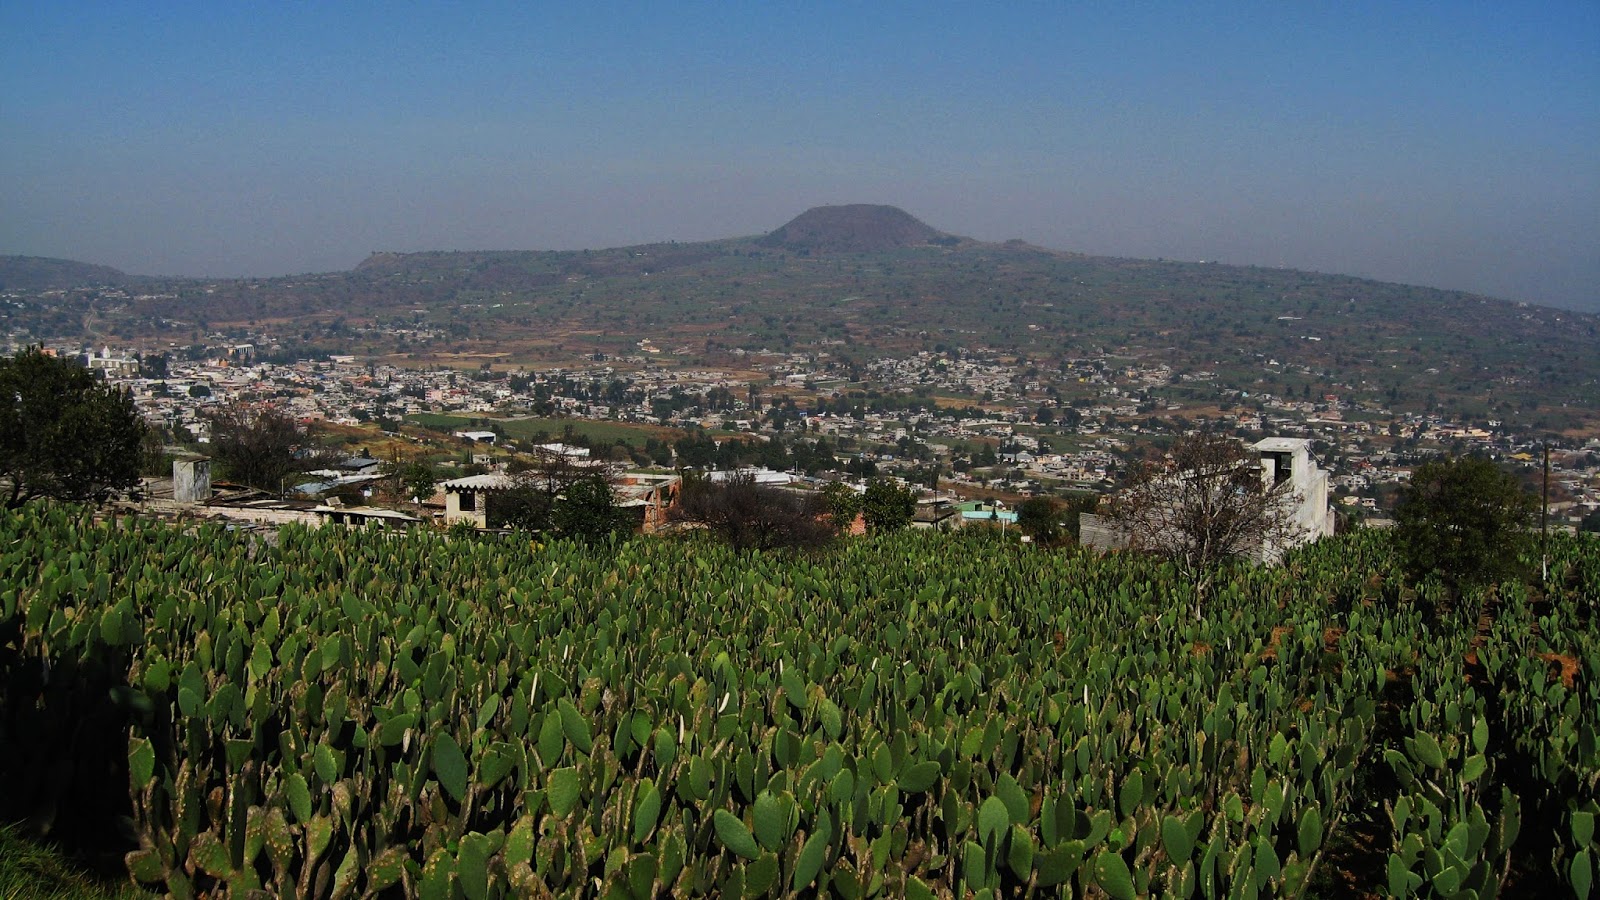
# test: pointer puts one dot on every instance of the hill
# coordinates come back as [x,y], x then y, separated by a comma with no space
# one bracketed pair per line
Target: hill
[41,273]
[861,282]
[855,228]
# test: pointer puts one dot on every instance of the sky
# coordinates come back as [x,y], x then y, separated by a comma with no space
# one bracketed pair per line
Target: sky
[1454,145]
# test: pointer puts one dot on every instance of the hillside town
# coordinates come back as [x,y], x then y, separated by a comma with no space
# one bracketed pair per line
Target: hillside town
[968,425]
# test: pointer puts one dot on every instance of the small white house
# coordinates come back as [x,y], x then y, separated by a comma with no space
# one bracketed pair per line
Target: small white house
[467,499]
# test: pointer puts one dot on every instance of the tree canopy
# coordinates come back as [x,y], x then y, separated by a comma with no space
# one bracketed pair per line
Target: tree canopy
[64,434]
[1040,518]
[588,511]
[752,516]
[887,506]
[1465,520]
[256,445]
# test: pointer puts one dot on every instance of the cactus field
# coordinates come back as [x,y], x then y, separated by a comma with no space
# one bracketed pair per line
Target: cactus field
[333,713]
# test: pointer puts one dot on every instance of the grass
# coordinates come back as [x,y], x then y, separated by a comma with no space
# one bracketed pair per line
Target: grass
[29,869]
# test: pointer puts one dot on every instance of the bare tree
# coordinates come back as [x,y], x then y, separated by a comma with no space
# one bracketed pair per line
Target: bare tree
[1207,503]
[260,445]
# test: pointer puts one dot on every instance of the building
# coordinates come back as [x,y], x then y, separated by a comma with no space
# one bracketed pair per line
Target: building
[364,516]
[1281,461]
[191,478]
[648,495]
[1289,460]
[467,499]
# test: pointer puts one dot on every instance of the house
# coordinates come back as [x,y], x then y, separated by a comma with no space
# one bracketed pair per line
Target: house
[934,512]
[978,511]
[477,437]
[565,451]
[1289,460]
[648,495]
[364,516]
[467,499]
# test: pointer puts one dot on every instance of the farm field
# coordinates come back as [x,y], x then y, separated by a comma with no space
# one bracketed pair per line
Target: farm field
[342,713]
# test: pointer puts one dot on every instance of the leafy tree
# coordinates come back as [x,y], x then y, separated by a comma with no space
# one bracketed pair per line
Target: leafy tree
[62,433]
[530,503]
[887,506]
[418,478]
[1039,518]
[751,516]
[1465,520]
[258,445]
[843,504]
[588,511]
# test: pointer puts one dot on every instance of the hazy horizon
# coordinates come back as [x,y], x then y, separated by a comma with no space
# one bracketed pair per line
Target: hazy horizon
[1453,148]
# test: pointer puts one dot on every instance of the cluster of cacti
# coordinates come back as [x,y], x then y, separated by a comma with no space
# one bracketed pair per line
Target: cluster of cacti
[340,713]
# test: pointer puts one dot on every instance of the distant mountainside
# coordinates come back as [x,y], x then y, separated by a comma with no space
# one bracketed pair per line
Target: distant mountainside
[855,228]
[41,273]
[856,282]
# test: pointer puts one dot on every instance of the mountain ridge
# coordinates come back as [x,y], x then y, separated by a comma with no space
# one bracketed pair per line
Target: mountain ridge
[44,273]
[1247,329]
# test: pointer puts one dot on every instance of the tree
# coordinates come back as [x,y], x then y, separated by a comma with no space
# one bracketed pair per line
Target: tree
[258,445]
[1465,520]
[63,434]
[418,479]
[1039,518]
[751,516]
[588,511]
[1206,504]
[887,506]
[843,504]
[530,503]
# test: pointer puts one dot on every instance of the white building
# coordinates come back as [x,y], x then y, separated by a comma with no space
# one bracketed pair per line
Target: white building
[1289,459]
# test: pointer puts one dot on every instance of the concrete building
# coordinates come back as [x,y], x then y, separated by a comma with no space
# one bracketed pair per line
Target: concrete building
[467,499]
[1289,460]
[191,478]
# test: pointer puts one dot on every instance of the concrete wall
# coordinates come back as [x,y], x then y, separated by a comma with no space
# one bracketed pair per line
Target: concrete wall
[1099,533]
[191,480]
[453,512]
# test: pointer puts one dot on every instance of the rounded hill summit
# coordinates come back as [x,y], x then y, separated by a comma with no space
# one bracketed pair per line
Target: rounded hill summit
[856,228]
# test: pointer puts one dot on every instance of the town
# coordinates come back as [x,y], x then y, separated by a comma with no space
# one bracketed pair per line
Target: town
[964,424]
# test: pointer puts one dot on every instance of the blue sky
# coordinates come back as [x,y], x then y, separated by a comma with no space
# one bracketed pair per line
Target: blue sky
[1455,145]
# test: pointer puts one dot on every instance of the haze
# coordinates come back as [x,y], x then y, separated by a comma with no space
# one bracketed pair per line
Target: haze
[1453,146]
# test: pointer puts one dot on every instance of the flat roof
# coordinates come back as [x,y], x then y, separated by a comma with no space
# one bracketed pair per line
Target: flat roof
[1282,444]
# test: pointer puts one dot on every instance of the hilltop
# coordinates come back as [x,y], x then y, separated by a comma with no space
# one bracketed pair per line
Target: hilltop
[42,273]
[856,228]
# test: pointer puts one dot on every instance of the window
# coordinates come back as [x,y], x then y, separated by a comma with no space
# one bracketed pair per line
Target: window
[1282,466]
[469,501]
